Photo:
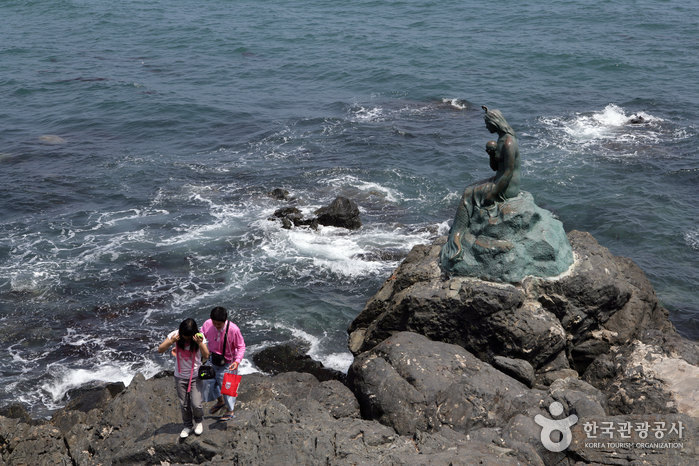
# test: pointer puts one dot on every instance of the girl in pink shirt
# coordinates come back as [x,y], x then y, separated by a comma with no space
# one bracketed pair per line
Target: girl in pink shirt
[190,350]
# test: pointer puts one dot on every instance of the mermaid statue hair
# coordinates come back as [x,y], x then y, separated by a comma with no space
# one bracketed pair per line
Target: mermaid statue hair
[495,118]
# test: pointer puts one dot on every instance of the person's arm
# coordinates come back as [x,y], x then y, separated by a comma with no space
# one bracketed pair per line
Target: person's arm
[507,159]
[203,348]
[168,342]
[238,347]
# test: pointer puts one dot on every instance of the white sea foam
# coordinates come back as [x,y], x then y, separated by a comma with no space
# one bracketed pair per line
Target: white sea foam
[368,187]
[36,278]
[339,361]
[368,114]
[612,128]
[64,378]
[338,250]
[375,114]
[691,237]
[15,352]
[458,104]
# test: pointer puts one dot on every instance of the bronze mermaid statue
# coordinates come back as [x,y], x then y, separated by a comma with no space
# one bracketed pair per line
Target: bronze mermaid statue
[504,159]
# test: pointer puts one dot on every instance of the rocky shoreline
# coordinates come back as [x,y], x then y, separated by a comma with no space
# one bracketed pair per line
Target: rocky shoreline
[446,371]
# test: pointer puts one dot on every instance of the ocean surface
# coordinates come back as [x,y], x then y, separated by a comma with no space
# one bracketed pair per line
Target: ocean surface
[139,142]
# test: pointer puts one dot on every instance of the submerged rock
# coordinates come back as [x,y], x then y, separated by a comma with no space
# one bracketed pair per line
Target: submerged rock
[51,139]
[280,194]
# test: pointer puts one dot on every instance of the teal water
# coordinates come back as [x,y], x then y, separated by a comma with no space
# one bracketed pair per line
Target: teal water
[139,141]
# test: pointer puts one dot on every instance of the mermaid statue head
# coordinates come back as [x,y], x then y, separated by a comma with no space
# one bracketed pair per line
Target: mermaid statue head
[495,122]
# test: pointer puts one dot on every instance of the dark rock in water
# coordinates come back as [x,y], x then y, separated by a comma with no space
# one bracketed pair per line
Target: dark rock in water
[341,212]
[291,217]
[280,194]
[292,357]
[88,398]
[637,120]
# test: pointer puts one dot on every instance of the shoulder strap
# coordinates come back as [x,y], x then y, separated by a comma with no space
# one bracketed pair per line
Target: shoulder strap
[225,340]
[191,371]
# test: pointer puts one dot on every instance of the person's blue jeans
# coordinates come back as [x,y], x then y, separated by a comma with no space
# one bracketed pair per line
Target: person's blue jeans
[213,387]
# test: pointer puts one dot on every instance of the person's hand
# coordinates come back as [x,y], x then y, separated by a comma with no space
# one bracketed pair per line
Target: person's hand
[174,338]
[233,366]
[198,338]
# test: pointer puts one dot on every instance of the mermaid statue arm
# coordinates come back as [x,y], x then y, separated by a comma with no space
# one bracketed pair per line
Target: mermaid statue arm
[506,169]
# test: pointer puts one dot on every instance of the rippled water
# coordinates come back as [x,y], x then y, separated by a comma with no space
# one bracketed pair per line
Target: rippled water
[140,141]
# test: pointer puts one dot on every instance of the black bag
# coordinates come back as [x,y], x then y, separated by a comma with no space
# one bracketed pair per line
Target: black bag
[218,358]
[206,372]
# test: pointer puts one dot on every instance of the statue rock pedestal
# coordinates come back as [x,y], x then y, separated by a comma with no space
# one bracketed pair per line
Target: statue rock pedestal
[508,241]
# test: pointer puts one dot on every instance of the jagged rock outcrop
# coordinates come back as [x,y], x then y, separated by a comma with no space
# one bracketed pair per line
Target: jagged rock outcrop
[414,384]
[601,318]
[291,418]
[657,375]
[558,325]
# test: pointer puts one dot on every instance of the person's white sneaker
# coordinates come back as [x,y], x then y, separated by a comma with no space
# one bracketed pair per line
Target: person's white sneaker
[185,432]
[198,428]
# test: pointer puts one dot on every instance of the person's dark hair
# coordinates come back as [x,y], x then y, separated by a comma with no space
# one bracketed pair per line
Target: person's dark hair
[188,328]
[219,314]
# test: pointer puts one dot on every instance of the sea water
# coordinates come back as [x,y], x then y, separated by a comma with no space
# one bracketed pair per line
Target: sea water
[139,142]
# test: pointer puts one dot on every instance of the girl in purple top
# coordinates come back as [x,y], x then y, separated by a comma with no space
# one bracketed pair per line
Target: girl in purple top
[216,330]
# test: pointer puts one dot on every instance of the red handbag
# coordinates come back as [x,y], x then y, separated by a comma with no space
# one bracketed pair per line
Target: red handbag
[230,384]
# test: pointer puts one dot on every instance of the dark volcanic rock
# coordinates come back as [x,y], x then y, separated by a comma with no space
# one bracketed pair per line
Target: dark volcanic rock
[487,318]
[414,384]
[25,444]
[290,418]
[605,300]
[292,357]
[341,212]
[646,378]
[291,217]
[602,301]
[516,368]
[279,194]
